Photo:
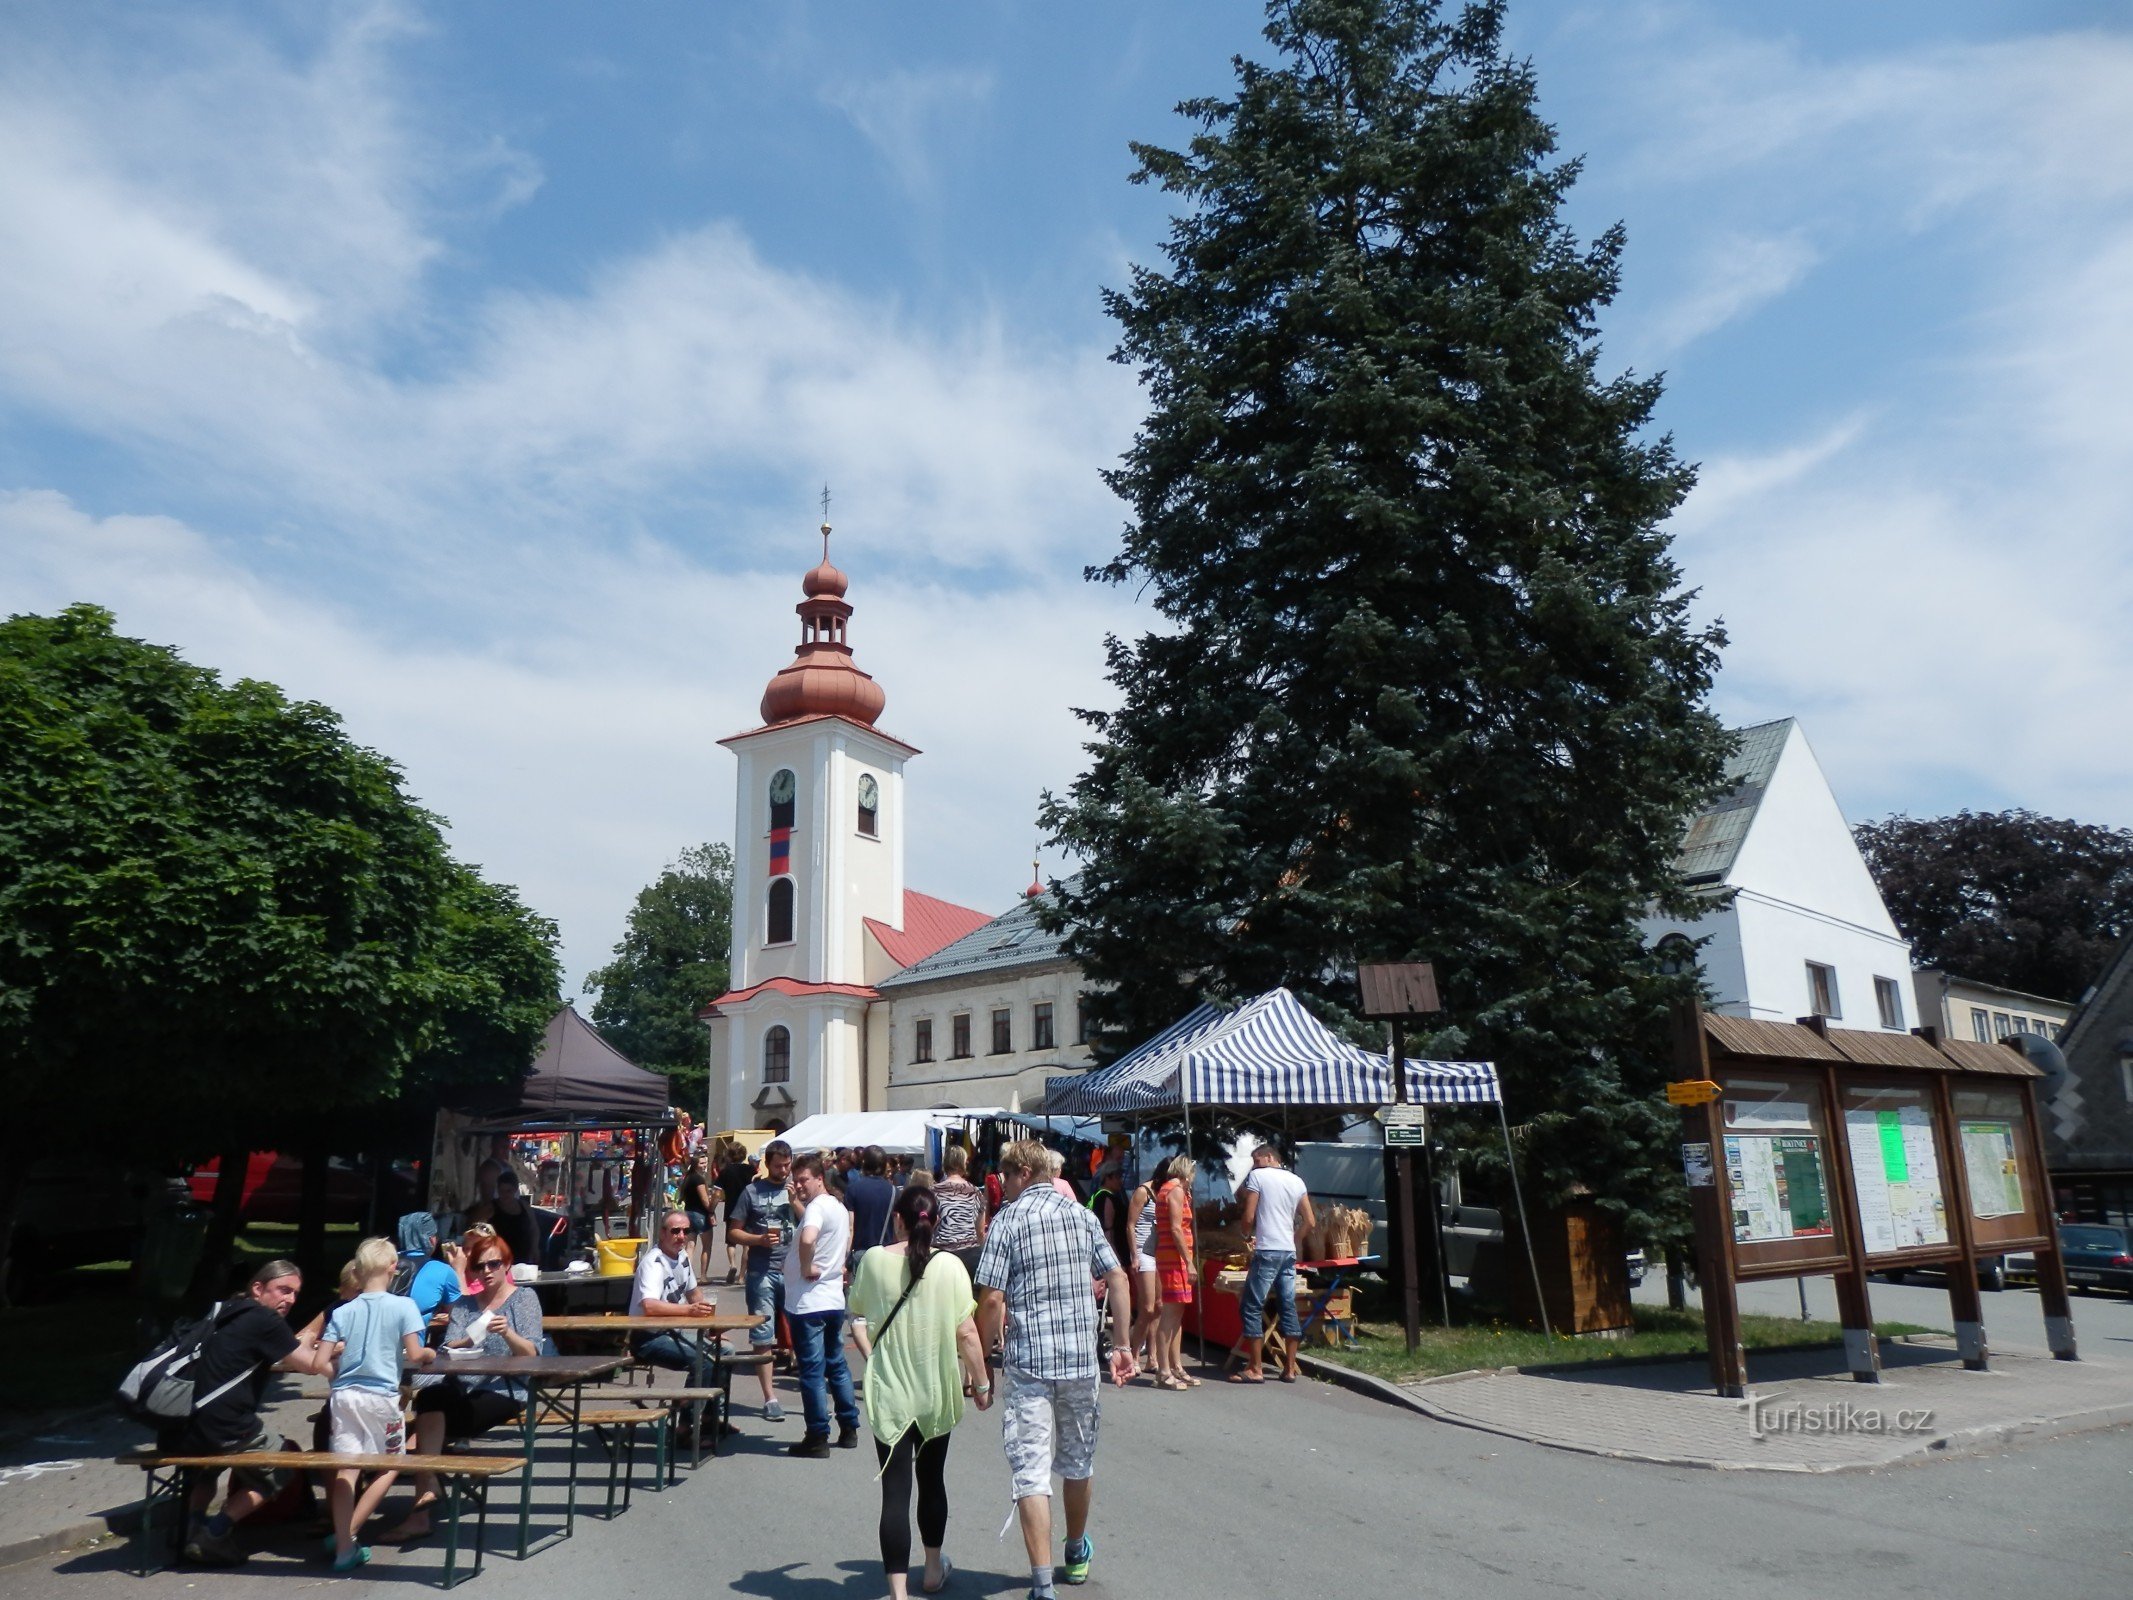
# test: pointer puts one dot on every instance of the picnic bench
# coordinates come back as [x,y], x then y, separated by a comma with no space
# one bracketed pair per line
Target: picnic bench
[709,1333]
[464,1478]
[555,1386]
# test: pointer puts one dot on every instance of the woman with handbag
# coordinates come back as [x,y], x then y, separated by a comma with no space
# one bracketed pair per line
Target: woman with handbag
[913,1314]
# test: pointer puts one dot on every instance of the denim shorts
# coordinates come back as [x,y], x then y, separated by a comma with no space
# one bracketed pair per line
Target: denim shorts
[766,1291]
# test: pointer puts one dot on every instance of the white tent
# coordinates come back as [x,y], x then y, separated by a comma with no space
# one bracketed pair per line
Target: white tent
[900,1133]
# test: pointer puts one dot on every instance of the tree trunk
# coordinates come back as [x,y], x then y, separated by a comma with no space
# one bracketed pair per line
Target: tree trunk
[311,1214]
[221,1226]
[14,1174]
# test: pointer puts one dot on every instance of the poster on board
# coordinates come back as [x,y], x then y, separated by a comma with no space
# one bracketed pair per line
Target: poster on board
[1896,1171]
[1778,1187]
[1989,1164]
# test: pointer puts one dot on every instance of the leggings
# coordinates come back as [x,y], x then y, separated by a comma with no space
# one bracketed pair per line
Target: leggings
[932,1462]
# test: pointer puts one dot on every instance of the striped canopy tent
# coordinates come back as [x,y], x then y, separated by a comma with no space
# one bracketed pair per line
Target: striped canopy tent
[1269,1051]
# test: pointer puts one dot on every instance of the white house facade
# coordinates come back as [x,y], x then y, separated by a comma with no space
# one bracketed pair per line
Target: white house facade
[1805,932]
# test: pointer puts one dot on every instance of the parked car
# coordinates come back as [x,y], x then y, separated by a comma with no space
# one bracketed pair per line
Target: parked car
[273,1188]
[2099,1255]
[1991,1273]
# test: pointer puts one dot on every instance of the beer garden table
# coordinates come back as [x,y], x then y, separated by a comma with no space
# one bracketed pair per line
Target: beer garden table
[548,1379]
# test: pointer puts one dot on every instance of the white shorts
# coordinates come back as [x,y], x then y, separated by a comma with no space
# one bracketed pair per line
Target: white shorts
[1145,1263]
[364,1422]
[1047,1427]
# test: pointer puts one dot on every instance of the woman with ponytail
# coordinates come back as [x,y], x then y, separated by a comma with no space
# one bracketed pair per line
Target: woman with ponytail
[912,1308]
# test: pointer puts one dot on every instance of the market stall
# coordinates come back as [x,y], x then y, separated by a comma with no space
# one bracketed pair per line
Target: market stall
[899,1133]
[1264,1054]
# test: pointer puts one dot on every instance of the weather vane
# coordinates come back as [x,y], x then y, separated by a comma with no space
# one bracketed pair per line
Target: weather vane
[825,522]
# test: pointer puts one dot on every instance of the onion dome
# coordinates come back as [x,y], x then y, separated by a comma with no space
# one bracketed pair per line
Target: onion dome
[823,680]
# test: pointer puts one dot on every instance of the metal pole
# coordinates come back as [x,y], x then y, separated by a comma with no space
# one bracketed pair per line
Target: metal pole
[1510,1157]
[1404,1176]
[1436,1227]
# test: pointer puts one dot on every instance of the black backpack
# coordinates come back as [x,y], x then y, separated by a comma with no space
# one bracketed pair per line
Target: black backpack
[158,1391]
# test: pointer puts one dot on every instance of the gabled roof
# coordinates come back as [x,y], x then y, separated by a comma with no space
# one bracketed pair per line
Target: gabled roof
[929,925]
[1013,939]
[1713,840]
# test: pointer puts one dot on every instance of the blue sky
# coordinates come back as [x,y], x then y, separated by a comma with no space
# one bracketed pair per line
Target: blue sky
[473,368]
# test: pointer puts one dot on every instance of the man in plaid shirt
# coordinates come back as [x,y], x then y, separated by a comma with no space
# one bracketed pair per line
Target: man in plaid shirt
[1038,1271]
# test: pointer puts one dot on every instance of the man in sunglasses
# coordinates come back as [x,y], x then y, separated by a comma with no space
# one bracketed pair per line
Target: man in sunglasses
[666,1286]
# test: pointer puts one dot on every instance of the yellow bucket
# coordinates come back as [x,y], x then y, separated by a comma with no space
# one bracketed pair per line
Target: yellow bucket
[618,1257]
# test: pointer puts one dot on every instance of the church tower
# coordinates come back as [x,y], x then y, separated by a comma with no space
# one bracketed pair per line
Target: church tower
[818,852]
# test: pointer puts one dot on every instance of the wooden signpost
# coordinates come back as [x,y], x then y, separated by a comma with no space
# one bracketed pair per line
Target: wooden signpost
[1399,992]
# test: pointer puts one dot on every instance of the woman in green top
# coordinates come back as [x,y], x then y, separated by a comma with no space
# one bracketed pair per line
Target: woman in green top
[912,1312]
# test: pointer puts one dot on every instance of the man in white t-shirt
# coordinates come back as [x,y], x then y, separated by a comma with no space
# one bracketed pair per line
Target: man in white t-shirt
[814,1305]
[1275,1206]
[666,1287]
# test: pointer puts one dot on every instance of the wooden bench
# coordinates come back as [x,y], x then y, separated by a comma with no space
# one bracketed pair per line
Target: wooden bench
[464,1478]
[627,1420]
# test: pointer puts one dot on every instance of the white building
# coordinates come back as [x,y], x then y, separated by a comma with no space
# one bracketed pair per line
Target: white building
[1805,932]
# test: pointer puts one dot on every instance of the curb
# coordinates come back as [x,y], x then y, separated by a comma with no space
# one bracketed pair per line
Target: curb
[1968,1441]
[58,1540]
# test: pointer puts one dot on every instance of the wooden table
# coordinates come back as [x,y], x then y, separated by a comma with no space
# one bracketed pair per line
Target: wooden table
[547,1378]
[563,1289]
[713,1328]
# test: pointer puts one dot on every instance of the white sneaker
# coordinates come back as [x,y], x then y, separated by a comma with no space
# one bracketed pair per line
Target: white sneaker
[773,1412]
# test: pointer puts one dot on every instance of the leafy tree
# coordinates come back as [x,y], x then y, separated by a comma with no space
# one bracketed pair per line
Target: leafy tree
[670,964]
[2006,897]
[1430,686]
[221,920]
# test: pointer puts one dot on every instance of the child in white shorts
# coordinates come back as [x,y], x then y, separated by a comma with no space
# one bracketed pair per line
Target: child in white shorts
[370,1337]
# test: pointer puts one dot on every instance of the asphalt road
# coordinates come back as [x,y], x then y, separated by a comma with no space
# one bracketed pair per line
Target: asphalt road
[1312,1490]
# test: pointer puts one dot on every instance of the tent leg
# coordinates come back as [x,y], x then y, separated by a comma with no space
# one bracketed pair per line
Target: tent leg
[1540,1299]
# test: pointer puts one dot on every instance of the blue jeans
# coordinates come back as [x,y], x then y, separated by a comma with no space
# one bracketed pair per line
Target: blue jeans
[1273,1272]
[671,1350]
[766,1292]
[818,1350]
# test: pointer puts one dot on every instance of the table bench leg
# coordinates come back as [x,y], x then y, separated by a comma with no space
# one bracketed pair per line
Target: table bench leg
[166,1489]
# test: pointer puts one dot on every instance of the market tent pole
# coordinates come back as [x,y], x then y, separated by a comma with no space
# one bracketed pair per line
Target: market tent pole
[1540,1300]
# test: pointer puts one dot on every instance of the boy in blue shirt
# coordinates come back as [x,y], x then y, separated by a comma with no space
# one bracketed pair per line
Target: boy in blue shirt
[368,1338]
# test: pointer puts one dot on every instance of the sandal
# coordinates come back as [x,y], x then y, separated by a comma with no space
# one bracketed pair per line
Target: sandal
[1244,1377]
[947,1572]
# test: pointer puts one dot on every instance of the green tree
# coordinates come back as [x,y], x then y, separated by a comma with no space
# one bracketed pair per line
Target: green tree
[1429,686]
[670,964]
[2007,897]
[221,921]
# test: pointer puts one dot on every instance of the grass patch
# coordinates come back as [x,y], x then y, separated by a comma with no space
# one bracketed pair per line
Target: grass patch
[1659,1332]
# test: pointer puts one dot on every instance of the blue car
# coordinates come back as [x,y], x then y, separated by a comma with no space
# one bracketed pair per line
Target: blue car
[2098,1255]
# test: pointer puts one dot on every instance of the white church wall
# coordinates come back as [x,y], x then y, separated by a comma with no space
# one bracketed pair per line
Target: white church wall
[1778,940]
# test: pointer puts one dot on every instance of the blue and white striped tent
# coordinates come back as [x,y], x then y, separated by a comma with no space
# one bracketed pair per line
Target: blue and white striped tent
[1269,1051]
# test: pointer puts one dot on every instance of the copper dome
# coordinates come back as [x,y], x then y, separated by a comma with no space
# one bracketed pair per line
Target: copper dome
[823,680]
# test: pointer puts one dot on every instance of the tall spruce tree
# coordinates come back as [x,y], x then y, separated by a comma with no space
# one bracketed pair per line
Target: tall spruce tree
[1430,688]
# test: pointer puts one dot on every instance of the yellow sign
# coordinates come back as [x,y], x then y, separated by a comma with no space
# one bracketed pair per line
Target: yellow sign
[1696,1092]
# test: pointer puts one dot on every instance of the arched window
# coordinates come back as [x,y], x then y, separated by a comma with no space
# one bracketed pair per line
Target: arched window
[783,788]
[778,926]
[777,1055]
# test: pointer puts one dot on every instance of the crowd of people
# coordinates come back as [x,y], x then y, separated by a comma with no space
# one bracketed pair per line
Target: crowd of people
[992,1290]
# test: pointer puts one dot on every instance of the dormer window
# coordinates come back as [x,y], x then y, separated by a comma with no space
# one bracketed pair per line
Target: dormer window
[869,806]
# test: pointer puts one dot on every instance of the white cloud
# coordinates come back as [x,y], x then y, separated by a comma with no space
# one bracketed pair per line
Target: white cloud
[1736,275]
[909,115]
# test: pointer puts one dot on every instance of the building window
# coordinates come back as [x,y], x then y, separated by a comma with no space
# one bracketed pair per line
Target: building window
[2002,1025]
[1003,1032]
[869,806]
[1822,991]
[1981,1025]
[2021,1024]
[1081,1019]
[1040,1025]
[1890,1000]
[959,1036]
[777,925]
[922,1039]
[777,1055]
[783,788]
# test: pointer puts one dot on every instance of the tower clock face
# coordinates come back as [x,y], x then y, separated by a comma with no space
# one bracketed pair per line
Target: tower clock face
[869,793]
[781,787]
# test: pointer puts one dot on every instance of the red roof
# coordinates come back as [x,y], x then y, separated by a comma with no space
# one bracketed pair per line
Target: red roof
[929,925]
[790,986]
